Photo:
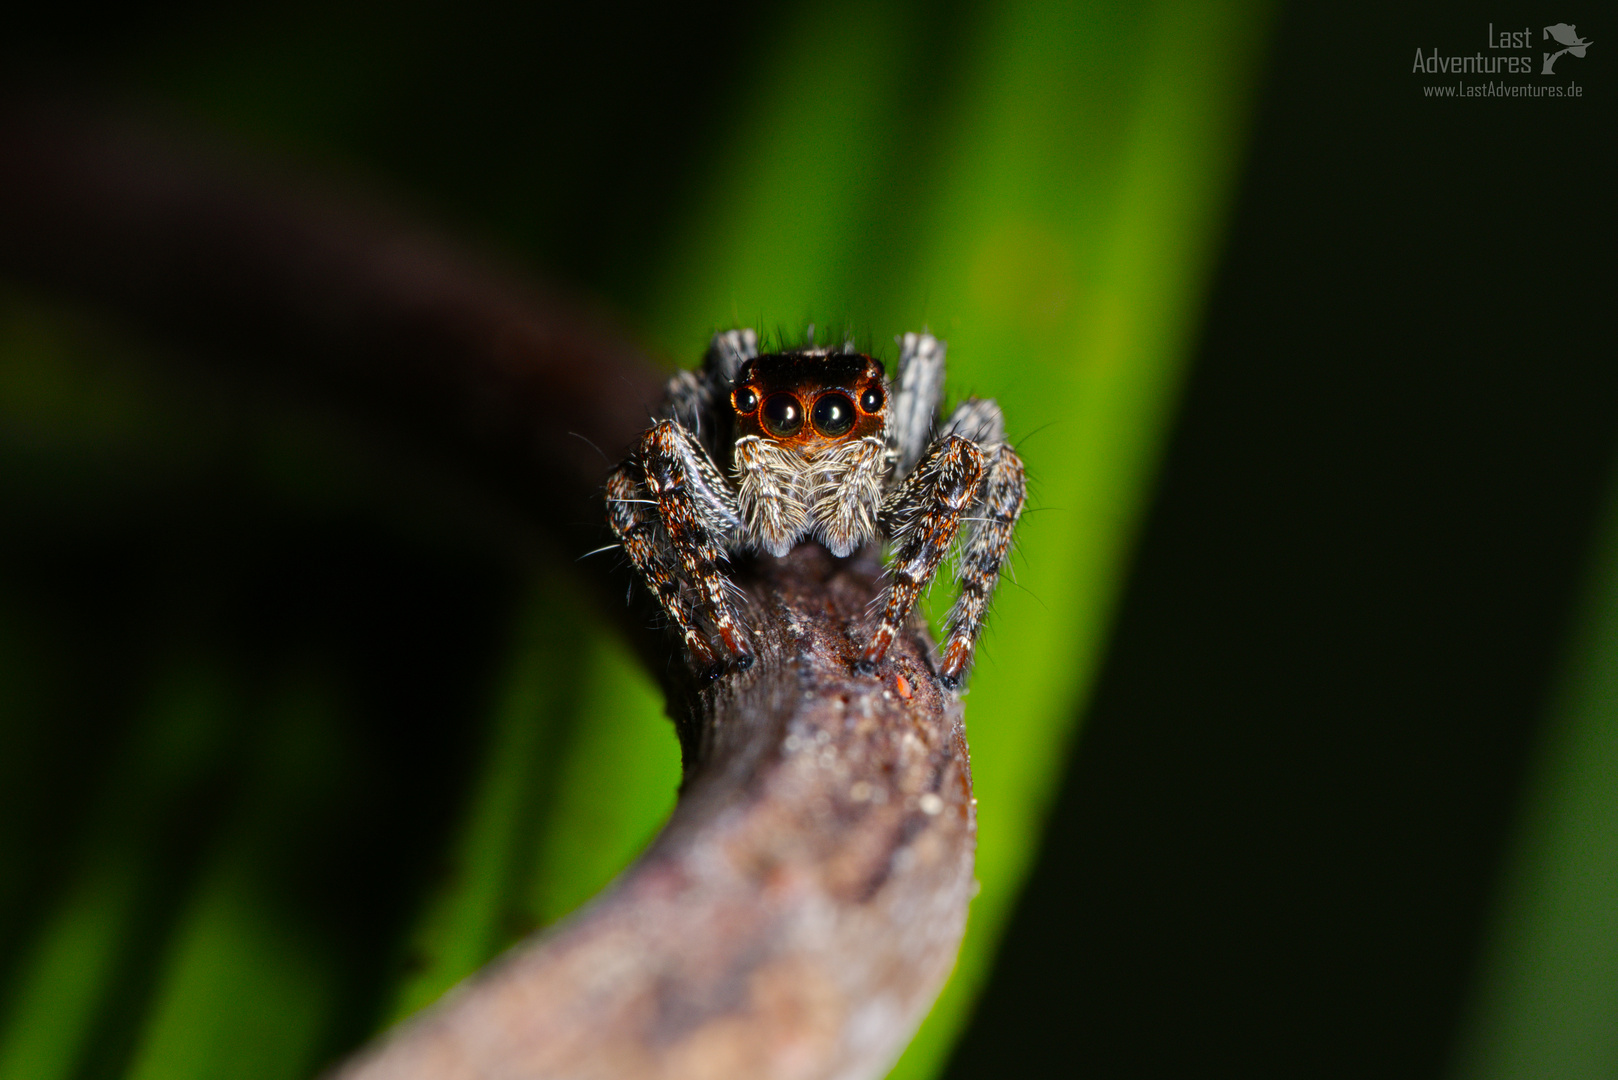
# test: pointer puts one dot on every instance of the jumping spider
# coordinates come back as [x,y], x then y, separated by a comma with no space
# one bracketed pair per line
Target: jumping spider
[819,445]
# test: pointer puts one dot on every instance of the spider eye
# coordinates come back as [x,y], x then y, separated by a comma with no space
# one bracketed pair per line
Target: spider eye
[745,400]
[782,416]
[834,414]
[871,400]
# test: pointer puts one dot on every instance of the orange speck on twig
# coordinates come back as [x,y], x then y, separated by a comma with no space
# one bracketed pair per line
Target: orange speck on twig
[903,686]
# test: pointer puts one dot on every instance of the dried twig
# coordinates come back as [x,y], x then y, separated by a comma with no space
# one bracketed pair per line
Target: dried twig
[798,913]
[803,906]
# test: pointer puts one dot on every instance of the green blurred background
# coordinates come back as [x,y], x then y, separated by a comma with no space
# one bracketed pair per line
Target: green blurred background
[1314,385]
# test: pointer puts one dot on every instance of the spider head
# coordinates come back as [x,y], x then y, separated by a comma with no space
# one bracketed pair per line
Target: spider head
[809,400]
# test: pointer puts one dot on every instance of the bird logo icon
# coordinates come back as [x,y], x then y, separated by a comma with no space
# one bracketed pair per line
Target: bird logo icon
[1567,36]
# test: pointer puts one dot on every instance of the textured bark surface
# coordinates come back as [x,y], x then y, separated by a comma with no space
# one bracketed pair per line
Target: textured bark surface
[806,901]
[800,911]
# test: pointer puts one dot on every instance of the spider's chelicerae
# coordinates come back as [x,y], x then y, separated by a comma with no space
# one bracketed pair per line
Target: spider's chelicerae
[764,452]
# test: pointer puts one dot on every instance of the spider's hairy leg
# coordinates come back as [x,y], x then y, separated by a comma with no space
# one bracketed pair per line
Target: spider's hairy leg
[918,389]
[698,510]
[978,419]
[923,517]
[636,526]
[847,494]
[727,352]
[688,399]
[988,542]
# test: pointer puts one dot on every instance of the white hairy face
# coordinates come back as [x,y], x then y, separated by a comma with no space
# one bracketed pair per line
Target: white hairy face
[810,453]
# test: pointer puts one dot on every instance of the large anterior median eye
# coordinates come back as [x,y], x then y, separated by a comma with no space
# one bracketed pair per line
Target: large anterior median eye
[782,415]
[833,414]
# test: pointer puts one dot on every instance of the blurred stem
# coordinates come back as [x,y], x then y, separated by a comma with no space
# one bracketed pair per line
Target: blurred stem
[61,1007]
[244,994]
[474,913]
[248,989]
[616,781]
[65,977]
[571,790]
[1545,1004]
[196,248]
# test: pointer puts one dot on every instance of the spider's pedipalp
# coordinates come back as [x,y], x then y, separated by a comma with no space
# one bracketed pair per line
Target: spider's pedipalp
[846,494]
[918,390]
[770,494]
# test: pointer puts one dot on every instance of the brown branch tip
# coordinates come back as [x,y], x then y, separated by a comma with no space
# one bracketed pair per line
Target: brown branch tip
[800,911]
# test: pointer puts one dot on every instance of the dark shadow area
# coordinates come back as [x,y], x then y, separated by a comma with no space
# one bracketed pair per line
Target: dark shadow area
[1278,837]
[467,107]
[316,683]
[332,616]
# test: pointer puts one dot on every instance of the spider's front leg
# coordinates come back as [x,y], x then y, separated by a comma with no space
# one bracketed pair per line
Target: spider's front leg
[993,519]
[634,522]
[694,511]
[922,518]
